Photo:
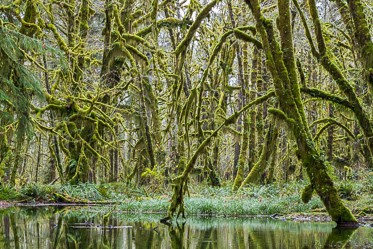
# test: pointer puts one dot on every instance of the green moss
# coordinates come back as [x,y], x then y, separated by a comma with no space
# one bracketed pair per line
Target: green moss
[307,193]
[314,92]
[281,115]
[243,154]
[193,29]
[245,37]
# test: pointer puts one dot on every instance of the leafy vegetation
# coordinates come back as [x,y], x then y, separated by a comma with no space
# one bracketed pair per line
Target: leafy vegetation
[272,199]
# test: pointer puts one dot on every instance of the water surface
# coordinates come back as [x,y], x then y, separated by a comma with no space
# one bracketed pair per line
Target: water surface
[94,227]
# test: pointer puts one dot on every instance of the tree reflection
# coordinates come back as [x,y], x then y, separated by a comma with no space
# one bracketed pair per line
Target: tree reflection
[176,233]
[76,229]
[340,238]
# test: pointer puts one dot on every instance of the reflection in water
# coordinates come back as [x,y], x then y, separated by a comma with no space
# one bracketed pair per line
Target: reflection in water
[80,227]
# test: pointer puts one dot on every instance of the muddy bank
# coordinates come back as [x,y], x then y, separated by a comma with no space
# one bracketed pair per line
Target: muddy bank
[365,220]
[5,204]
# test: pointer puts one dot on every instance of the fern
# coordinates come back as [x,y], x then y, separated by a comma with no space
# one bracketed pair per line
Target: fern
[18,83]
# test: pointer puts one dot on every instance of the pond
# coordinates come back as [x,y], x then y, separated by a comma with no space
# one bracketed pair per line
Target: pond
[97,227]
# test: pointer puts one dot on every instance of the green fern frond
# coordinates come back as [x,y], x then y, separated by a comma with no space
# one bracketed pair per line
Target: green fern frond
[18,83]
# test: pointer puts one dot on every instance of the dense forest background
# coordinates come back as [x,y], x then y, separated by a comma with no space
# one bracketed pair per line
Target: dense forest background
[211,92]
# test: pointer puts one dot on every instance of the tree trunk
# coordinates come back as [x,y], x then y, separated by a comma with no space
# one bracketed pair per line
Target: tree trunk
[281,63]
[243,154]
[336,73]
[268,149]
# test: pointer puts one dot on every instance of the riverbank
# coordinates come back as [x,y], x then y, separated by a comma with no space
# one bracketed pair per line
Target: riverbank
[279,201]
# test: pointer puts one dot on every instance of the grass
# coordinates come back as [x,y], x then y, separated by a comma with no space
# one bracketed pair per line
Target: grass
[270,199]
[254,200]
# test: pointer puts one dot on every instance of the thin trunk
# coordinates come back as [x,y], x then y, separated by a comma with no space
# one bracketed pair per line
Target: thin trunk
[241,96]
[330,134]
[253,141]
[55,162]
[269,146]
[257,79]
[38,159]
[271,170]
[214,178]
[146,129]
[243,154]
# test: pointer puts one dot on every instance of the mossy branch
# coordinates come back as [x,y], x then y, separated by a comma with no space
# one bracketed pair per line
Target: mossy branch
[136,52]
[169,22]
[5,7]
[317,25]
[129,56]
[118,19]
[330,122]
[184,113]
[180,181]
[363,37]
[62,44]
[301,73]
[257,101]
[281,116]
[247,38]
[137,39]
[215,52]
[314,92]
[306,28]
[193,29]
[252,29]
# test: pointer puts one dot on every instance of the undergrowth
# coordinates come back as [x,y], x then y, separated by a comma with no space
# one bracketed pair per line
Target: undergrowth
[277,198]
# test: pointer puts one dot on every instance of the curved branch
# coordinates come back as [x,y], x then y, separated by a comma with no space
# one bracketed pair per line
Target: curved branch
[329,122]
[313,92]
[193,29]
[247,38]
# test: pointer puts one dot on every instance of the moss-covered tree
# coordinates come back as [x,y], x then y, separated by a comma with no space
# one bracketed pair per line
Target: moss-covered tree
[282,65]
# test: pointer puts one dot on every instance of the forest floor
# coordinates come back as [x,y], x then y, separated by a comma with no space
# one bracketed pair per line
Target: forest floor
[277,200]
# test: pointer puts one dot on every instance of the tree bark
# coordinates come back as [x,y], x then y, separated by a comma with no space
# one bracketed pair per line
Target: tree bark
[281,63]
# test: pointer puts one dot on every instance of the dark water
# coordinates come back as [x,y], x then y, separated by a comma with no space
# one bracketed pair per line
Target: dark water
[93,227]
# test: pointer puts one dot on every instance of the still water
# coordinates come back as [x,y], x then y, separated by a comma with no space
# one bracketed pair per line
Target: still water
[93,227]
